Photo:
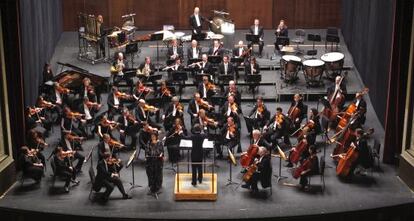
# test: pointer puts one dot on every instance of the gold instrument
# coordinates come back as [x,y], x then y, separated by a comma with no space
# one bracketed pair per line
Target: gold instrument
[150,108]
[145,71]
[234,108]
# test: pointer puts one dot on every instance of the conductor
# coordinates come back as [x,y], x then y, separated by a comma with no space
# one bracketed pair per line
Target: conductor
[197,155]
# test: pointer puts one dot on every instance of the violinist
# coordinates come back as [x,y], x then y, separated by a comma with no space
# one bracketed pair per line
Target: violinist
[296,111]
[308,167]
[87,90]
[206,89]
[144,111]
[117,70]
[106,126]
[145,135]
[337,92]
[259,116]
[64,167]
[89,110]
[109,146]
[59,95]
[217,49]
[174,110]
[173,138]
[361,109]
[277,128]
[45,113]
[231,109]
[230,136]
[35,141]
[141,91]
[33,119]
[73,143]
[195,105]
[259,170]
[128,126]
[251,68]
[154,160]
[232,90]
[226,68]
[71,122]
[115,102]
[204,121]
[164,92]
[31,165]
[107,177]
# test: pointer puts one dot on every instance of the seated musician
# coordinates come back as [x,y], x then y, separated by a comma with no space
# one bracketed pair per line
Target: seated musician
[251,68]
[107,176]
[299,152]
[63,167]
[196,21]
[195,105]
[72,122]
[259,116]
[206,89]
[263,172]
[217,49]
[140,91]
[256,141]
[145,70]
[174,52]
[231,109]
[106,126]
[316,129]
[143,112]
[47,73]
[72,143]
[117,70]
[230,137]
[31,165]
[154,161]
[89,110]
[128,126]
[109,146]
[174,110]
[226,68]
[232,90]
[194,52]
[46,113]
[256,29]
[281,31]
[36,142]
[296,111]
[364,159]
[204,121]
[32,118]
[277,128]
[175,67]
[337,90]
[59,95]
[205,67]
[361,108]
[173,138]
[240,52]
[87,90]
[308,167]
[116,101]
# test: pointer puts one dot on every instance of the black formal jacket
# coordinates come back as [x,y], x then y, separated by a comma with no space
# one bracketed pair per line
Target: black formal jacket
[248,70]
[200,89]
[264,117]
[193,22]
[236,51]
[283,32]
[190,52]
[364,156]
[110,101]
[225,108]
[102,174]
[207,68]
[230,69]
[301,108]
[237,96]
[331,89]
[261,32]
[262,143]
[264,167]
[179,52]
[234,138]
[197,150]
[152,67]
[219,53]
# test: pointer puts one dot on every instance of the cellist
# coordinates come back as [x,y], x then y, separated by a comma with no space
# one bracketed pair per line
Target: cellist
[361,108]
[260,170]
[296,111]
[337,91]
[256,141]
[308,167]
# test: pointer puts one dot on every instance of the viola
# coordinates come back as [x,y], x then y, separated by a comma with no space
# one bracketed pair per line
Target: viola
[115,143]
[211,86]
[90,104]
[72,137]
[247,157]
[234,108]
[260,109]
[74,115]
[298,150]
[209,121]
[121,95]
[204,104]
[232,129]
[165,91]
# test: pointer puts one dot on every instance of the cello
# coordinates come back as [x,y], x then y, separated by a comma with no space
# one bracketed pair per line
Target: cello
[306,165]
[346,161]
[247,157]
[349,113]
[297,151]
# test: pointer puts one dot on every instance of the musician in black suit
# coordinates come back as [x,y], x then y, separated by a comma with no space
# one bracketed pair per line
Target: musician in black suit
[230,136]
[145,70]
[277,128]
[313,133]
[338,88]
[115,103]
[259,115]
[174,52]
[240,52]
[251,68]
[205,66]
[108,178]
[312,170]
[256,29]
[107,146]
[73,144]
[128,126]
[364,160]
[206,89]
[281,31]
[196,21]
[301,112]
[173,138]
[263,173]
[194,52]
[102,35]
[232,90]
[174,110]
[194,107]
[217,49]
[31,165]
[117,70]
[231,109]
[87,90]
[197,155]
[63,167]
[361,108]
[226,68]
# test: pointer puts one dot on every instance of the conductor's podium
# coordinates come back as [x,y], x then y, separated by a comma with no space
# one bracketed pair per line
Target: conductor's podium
[206,191]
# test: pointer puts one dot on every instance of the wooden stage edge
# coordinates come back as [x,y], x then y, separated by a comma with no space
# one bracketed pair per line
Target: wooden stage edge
[206,191]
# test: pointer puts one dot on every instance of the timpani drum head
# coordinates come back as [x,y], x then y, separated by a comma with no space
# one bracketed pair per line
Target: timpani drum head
[332,57]
[291,58]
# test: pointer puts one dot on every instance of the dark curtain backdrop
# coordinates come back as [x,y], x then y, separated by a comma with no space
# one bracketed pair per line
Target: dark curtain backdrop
[367,27]
[40,29]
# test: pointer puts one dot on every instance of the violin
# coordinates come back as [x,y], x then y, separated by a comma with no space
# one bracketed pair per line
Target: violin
[63,154]
[151,130]
[122,95]
[150,108]
[143,89]
[165,91]
[260,109]
[115,143]
[113,161]
[209,121]
[90,105]
[247,157]
[131,118]
[108,123]
[45,104]
[204,104]
[180,107]
[74,115]
[63,90]
[72,137]
[211,86]
[232,129]
[35,110]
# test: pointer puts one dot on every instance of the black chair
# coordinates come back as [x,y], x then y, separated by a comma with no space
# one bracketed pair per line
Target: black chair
[332,37]
[321,173]
[375,151]
[300,39]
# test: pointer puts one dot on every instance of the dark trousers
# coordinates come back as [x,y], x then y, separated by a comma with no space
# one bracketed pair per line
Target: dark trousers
[261,45]
[67,175]
[34,172]
[109,187]
[154,174]
[118,183]
[197,169]
[304,181]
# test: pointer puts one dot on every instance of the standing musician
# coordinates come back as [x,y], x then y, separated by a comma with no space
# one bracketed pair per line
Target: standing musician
[173,138]
[308,167]
[281,31]
[128,126]
[33,119]
[116,101]
[31,165]
[106,126]
[87,90]
[277,128]
[195,105]
[259,116]
[240,52]
[251,67]
[102,34]
[64,168]
[174,52]
[71,122]
[226,68]
[140,91]
[145,135]
[197,154]
[154,160]
[204,122]
[72,143]
[194,52]
[217,49]
[232,90]
[196,21]
[259,170]
[230,136]
[337,90]
[296,111]
[206,89]
[109,146]
[107,177]
[256,29]
[117,68]
[174,110]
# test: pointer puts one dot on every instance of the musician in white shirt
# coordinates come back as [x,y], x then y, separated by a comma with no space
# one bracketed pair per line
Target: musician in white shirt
[256,29]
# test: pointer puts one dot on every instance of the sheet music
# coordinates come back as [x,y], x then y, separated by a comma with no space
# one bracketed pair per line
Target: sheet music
[186,143]
[208,144]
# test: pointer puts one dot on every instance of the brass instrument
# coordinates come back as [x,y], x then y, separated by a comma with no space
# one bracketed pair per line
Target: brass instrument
[117,68]
[145,71]
[232,158]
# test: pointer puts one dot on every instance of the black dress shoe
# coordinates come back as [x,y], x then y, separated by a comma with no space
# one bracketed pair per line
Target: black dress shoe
[245,186]
[194,184]
[289,164]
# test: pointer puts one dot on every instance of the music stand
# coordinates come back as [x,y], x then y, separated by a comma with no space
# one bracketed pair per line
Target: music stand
[180,76]
[157,37]
[252,38]
[230,180]
[225,78]
[314,38]
[281,155]
[214,59]
[193,60]
[153,79]
[131,161]
[332,39]
[199,77]
[199,37]
[217,100]
[282,40]
[237,60]
[254,80]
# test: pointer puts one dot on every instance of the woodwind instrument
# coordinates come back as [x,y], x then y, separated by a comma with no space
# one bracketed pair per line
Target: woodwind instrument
[195,63]
[169,67]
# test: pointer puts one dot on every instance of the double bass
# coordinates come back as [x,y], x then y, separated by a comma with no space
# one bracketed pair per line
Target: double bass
[337,99]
